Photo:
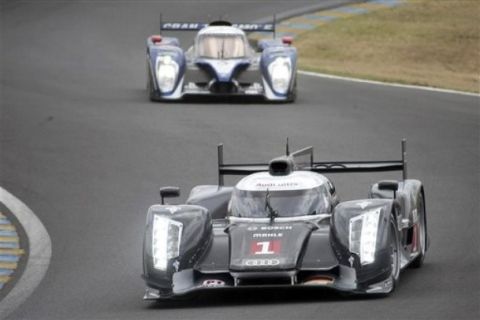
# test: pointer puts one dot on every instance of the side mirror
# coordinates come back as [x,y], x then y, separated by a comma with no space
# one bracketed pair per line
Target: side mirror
[287,40]
[389,185]
[169,192]
[156,39]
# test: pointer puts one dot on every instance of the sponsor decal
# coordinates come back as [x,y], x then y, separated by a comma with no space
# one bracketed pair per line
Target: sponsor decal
[268,235]
[269,228]
[278,227]
[414,216]
[351,260]
[183,26]
[213,283]
[253,26]
[278,185]
[172,209]
[364,204]
[319,281]
[265,247]
[198,26]
[261,262]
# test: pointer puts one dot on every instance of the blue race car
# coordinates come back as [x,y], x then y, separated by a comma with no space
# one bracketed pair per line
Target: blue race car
[221,62]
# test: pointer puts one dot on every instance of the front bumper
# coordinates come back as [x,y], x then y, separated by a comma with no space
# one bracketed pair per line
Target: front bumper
[187,90]
[342,279]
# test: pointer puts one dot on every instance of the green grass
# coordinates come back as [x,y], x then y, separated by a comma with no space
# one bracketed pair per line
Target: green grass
[424,42]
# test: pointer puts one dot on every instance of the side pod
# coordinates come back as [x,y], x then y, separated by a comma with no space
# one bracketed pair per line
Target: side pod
[408,193]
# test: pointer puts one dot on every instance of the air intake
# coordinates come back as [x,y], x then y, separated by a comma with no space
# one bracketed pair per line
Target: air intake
[281,166]
[220,23]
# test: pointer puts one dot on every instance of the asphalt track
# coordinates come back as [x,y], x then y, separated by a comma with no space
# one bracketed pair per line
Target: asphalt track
[82,146]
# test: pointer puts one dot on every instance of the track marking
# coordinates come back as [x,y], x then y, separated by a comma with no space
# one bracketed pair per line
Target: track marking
[8,265]
[9,258]
[386,84]
[38,259]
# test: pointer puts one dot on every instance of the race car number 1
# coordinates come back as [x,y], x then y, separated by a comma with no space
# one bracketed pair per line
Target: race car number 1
[266,247]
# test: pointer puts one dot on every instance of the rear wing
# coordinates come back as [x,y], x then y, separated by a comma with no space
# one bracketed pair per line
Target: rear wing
[303,160]
[195,26]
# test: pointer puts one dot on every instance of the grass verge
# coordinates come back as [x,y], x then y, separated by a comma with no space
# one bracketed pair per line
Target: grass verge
[423,42]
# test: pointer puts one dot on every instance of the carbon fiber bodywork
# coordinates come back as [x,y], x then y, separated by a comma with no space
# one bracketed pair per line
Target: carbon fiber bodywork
[324,249]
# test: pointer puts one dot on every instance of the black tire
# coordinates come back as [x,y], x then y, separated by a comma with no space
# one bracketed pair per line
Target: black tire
[293,95]
[150,91]
[394,244]
[422,218]
[395,260]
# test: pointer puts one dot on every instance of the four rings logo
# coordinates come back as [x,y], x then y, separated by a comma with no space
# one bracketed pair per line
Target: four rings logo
[261,262]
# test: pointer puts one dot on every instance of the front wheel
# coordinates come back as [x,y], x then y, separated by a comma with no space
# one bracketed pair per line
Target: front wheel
[150,90]
[421,233]
[293,94]
[394,246]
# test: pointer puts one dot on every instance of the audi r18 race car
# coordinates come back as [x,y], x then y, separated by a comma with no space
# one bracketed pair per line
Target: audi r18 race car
[221,62]
[283,225]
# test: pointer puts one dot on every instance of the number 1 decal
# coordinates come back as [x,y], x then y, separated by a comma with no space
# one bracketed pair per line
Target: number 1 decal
[266,247]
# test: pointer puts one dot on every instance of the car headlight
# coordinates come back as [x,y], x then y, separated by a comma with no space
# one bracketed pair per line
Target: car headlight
[363,235]
[280,71]
[167,73]
[166,236]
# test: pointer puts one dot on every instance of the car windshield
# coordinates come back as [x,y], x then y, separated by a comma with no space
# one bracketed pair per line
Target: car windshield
[219,46]
[252,204]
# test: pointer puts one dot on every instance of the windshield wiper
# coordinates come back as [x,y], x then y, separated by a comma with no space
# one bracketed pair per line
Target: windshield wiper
[271,212]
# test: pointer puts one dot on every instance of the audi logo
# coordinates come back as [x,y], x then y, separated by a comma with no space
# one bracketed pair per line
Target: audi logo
[261,262]
[212,283]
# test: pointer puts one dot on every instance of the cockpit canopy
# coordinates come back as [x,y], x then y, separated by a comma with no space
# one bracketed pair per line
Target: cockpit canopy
[298,194]
[221,45]
[252,204]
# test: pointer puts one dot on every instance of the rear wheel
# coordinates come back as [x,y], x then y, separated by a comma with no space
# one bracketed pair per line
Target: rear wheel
[421,233]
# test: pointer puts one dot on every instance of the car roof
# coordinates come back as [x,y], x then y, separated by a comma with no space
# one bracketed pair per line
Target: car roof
[221,30]
[297,180]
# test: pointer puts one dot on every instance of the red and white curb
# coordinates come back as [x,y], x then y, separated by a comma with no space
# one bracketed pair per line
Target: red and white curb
[40,252]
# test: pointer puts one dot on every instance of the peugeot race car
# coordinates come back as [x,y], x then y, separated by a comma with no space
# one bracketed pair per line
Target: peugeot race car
[221,62]
[283,225]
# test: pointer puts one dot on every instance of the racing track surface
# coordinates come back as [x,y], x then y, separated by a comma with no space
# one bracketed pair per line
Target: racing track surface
[82,147]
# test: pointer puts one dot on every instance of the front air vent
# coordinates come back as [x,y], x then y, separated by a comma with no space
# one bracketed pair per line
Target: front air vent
[223,87]
[281,166]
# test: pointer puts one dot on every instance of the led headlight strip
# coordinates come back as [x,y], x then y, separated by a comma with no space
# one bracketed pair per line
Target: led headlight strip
[167,73]
[363,235]
[280,71]
[166,237]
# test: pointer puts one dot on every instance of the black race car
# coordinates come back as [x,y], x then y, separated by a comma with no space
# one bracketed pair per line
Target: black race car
[283,225]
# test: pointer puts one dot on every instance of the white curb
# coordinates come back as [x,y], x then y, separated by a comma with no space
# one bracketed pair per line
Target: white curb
[398,85]
[39,255]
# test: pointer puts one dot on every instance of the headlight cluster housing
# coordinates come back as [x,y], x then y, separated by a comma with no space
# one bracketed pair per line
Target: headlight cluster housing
[363,235]
[167,73]
[280,71]
[166,238]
